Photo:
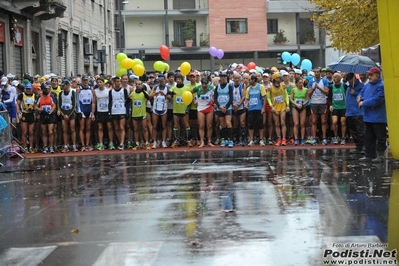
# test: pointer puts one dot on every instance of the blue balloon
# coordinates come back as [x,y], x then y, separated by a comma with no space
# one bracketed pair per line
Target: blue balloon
[295,59]
[306,64]
[286,56]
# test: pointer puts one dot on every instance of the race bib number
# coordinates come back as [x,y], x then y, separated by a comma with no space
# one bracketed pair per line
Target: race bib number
[137,103]
[179,99]
[205,97]
[66,107]
[160,104]
[338,97]
[103,105]
[222,99]
[278,99]
[118,105]
[299,101]
[46,108]
[86,100]
[236,98]
[253,101]
[28,101]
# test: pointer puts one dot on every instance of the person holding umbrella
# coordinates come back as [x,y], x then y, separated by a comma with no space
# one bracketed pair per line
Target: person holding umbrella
[372,100]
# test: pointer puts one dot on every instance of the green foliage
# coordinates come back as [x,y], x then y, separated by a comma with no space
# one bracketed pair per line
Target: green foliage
[351,24]
[280,37]
[189,30]
[308,36]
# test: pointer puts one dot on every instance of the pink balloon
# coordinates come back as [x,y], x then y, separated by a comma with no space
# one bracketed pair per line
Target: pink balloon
[213,51]
[220,54]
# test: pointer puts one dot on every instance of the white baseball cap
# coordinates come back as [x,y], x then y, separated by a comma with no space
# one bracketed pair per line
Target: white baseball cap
[4,80]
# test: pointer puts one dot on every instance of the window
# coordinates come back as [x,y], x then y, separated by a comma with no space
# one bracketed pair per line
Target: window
[272,26]
[236,25]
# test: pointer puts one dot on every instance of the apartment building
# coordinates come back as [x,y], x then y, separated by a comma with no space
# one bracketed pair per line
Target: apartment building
[244,31]
[65,37]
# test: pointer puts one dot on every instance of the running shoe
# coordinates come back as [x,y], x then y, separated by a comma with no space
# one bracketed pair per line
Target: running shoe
[335,140]
[111,146]
[174,144]
[303,142]
[51,150]
[296,142]
[100,147]
[269,141]
[129,145]
[74,148]
[291,141]
[283,142]
[262,142]
[65,149]
[121,147]
[164,145]
[313,142]
[243,143]
[154,145]
[343,141]
[190,143]
[278,143]
[231,144]
[89,148]
[147,146]
[324,142]
[83,148]
[45,150]
[251,143]
[223,143]
[32,150]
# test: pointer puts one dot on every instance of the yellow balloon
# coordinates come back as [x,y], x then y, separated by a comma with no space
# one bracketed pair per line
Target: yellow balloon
[187,97]
[138,70]
[167,67]
[127,63]
[185,68]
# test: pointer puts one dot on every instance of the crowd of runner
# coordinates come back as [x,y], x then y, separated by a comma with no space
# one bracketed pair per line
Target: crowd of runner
[228,108]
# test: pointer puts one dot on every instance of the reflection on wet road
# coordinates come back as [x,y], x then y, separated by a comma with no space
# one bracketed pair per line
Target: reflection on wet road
[198,208]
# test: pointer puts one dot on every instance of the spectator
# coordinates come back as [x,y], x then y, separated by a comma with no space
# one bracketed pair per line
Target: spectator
[372,100]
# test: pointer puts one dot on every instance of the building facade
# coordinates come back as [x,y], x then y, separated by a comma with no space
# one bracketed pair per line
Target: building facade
[64,37]
[244,31]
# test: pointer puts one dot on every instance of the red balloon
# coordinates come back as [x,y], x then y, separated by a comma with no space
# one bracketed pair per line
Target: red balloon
[164,50]
[251,65]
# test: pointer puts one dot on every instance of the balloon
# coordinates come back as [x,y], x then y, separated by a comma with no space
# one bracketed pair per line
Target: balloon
[213,51]
[233,66]
[295,59]
[274,69]
[127,63]
[164,50]
[121,71]
[138,70]
[185,68]
[220,53]
[159,66]
[251,65]
[138,62]
[120,57]
[306,64]
[167,67]
[286,56]
[187,97]
[259,69]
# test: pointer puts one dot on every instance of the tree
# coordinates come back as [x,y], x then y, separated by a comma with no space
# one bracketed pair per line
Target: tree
[351,24]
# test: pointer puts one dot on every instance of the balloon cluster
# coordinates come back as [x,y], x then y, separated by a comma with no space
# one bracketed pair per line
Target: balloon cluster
[213,51]
[126,63]
[295,59]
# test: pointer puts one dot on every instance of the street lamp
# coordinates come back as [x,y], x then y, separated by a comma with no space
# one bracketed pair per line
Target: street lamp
[124,26]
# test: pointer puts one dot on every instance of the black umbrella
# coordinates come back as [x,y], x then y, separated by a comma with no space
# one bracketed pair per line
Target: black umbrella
[352,63]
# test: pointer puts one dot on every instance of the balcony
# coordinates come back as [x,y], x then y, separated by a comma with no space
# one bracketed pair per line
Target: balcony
[45,10]
[289,6]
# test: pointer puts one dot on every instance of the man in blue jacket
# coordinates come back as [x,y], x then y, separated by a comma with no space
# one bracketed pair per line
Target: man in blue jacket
[354,114]
[372,100]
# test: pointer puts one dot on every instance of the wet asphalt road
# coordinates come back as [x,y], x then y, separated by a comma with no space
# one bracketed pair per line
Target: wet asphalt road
[261,207]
